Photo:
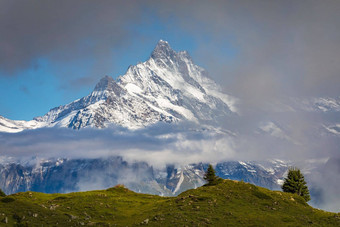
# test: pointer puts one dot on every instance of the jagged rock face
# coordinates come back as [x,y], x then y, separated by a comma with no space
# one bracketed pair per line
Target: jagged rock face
[59,176]
[168,87]
[268,174]
[63,175]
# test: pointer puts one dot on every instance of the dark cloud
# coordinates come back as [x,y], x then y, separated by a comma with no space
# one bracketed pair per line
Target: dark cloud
[281,47]
[63,31]
[278,47]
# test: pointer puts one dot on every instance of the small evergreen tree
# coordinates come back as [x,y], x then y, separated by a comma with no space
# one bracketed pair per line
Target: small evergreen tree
[295,183]
[2,194]
[211,177]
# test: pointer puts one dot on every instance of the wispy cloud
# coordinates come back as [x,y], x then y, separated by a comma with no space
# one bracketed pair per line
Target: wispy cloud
[158,145]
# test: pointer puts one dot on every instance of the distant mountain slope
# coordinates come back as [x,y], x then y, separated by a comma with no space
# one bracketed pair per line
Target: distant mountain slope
[62,175]
[7,125]
[229,203]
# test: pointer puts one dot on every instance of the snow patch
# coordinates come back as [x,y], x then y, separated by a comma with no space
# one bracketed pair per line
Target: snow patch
[180,181]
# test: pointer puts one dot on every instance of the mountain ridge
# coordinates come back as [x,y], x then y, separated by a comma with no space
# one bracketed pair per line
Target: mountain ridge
[65,175]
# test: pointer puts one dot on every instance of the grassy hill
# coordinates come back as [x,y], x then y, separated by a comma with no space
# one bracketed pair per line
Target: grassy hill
[230,203]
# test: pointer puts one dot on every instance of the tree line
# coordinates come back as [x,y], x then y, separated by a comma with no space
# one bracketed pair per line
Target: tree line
[294,182]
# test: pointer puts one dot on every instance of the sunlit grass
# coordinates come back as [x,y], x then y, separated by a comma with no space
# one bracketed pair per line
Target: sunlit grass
[228,203]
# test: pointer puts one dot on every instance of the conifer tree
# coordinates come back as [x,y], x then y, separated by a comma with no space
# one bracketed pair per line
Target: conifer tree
[210,176]
[295,183]
[2,194]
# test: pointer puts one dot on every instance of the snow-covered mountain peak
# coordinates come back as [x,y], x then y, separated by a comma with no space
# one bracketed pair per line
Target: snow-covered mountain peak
[167,87]
[164,55]
[162,48]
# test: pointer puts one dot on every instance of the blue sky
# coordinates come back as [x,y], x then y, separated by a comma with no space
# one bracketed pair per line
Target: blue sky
[52,53]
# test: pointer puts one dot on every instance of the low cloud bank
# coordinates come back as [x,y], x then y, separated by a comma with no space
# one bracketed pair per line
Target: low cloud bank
[158,145]
[288,136]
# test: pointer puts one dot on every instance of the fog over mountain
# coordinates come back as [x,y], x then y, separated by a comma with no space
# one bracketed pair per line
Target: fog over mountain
[166,119]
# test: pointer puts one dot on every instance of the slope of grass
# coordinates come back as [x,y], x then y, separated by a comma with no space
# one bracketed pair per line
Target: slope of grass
[229,203]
